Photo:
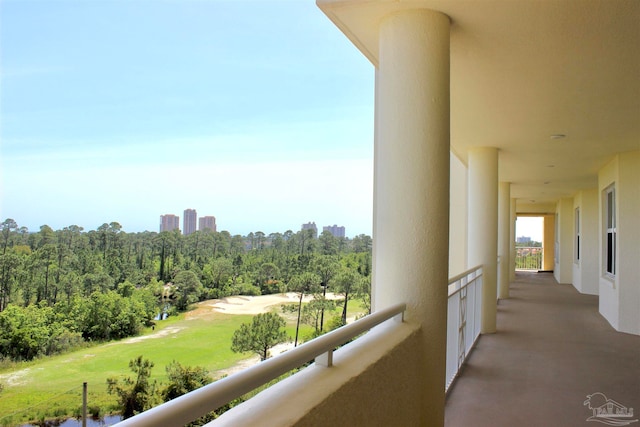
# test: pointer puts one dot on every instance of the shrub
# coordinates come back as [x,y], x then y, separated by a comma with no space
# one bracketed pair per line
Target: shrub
[94,411]
[137,394]
[245,289]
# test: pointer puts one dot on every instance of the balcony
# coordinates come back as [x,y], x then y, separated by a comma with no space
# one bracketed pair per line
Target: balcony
[383,349]
[552,348]
[529,258]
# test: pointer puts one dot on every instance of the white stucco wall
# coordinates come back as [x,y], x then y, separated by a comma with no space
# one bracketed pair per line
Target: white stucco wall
[549,242]
[563,268]
[585,271]
[504,237]
[608,289]
[577,264]
[628,272]
[457,217]
[620,295]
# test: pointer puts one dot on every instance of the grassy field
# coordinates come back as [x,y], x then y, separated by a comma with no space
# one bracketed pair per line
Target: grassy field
[52,387]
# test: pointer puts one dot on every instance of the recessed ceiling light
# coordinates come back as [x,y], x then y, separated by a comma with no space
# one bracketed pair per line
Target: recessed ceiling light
[558,136]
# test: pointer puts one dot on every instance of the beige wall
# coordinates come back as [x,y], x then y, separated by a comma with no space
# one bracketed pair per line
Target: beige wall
[620,295]
[585,270]
[628,273]
[458,217]
[548,242]
[376,380]
[534,209]
[563,266]
[609,295]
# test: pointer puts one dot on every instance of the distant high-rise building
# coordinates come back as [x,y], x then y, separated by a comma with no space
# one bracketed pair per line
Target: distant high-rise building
[335,230]
[169,222]
[207,223]
[311,226]
[189,221]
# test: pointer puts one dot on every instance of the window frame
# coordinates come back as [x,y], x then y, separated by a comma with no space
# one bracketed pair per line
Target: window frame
[578,237]
[610,232]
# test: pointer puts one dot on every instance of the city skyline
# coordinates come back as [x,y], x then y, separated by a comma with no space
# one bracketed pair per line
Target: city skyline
[247,122]
[107,116]
[170,222]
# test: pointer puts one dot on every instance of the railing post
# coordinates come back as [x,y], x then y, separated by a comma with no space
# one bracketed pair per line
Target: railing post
[399,317]
[84,404]
[325,359]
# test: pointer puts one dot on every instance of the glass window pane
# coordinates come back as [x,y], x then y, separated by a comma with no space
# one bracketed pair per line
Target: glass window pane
[610,246]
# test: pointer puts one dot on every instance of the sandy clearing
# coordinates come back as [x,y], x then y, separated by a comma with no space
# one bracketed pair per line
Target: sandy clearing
[248,304]
[15,378]
[163,333]
[170,330]
[256,305]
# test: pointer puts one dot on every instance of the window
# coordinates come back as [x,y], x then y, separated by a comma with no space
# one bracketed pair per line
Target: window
[577,228]
[610,224]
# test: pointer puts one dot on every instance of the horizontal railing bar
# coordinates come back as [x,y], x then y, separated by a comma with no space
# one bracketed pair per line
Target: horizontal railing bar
[195,404]
[463,275]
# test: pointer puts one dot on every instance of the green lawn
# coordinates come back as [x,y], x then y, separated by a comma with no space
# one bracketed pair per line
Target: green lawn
[52,386]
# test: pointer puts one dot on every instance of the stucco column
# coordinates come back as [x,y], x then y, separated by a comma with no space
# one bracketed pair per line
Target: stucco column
[411,185]
[512,241]
[548,242]
[504,233]
[483,227]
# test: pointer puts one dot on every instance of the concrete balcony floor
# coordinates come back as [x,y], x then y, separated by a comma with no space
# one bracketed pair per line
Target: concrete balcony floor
[552,349]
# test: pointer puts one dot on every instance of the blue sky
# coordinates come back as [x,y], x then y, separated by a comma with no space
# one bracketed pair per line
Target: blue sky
[257,112]
[530,227]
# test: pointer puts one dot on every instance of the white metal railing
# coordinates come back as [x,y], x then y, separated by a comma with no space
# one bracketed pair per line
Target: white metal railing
[197,403]
[463,319]
[529,258]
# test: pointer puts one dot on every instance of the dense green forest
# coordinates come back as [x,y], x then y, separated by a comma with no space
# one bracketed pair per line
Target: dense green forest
[60,289]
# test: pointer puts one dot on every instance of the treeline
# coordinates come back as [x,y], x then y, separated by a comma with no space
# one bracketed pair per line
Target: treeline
[60,288]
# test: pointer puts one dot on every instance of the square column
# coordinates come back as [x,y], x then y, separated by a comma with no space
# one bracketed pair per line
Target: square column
[512,241]
[411,186]
[504,235]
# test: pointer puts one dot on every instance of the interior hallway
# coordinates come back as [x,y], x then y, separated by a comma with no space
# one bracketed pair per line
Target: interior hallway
[552,349]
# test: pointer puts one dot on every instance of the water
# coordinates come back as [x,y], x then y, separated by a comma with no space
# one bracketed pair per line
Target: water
[72,422]
[164,313]
[161,316]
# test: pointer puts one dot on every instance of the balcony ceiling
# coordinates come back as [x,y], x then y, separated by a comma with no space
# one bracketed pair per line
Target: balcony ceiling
[522,71]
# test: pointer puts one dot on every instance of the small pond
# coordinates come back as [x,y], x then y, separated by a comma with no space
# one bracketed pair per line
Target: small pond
[72,422]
